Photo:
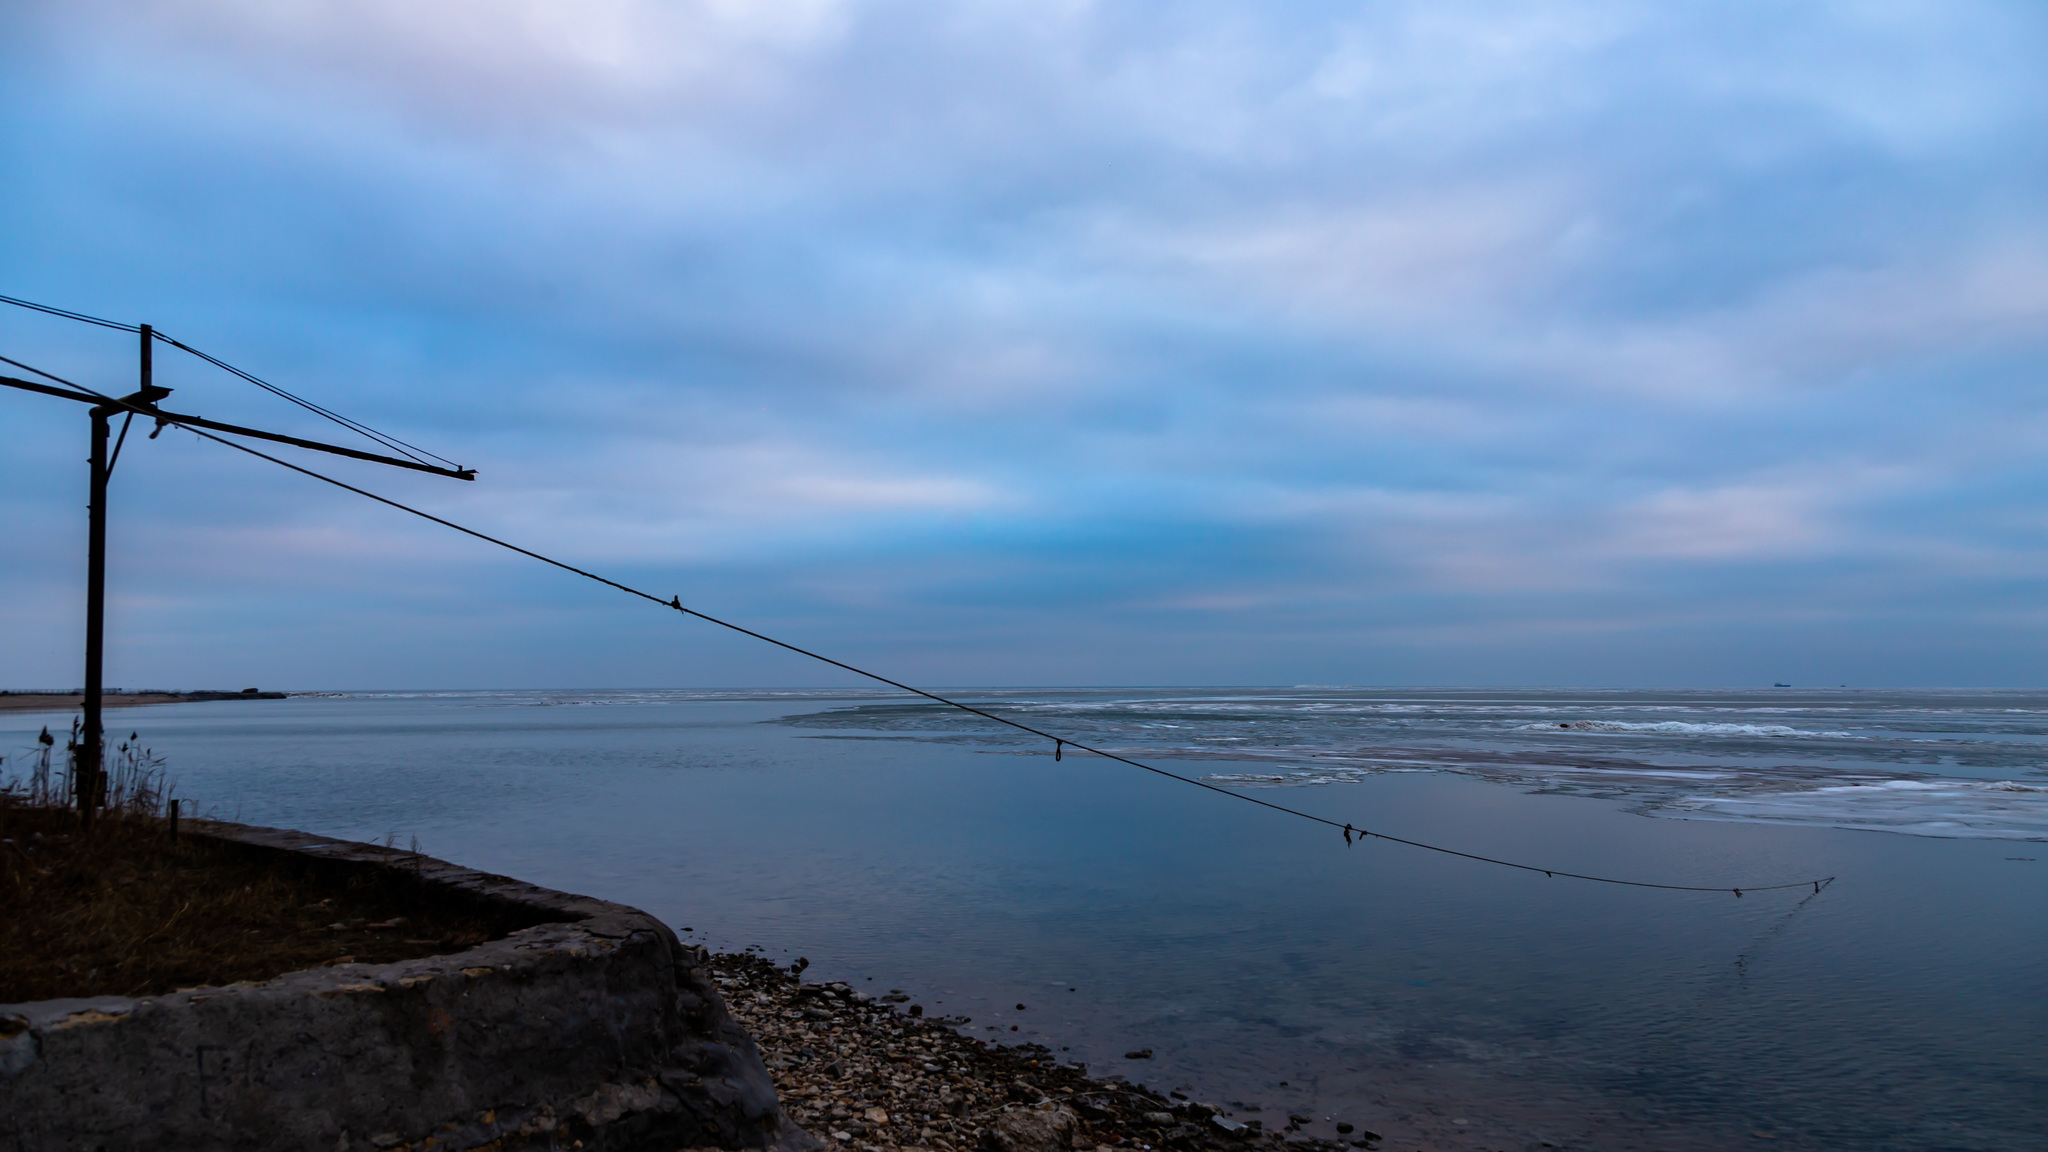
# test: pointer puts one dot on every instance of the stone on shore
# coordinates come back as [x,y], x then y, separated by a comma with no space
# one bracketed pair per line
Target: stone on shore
[874,1076]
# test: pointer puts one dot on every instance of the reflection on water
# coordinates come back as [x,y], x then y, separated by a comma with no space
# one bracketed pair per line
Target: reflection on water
[1399,990]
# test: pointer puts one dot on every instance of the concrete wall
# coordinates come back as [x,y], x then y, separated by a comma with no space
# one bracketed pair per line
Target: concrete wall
[603,1028]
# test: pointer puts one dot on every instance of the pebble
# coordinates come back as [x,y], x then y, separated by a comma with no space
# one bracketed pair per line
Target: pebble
[879,1079]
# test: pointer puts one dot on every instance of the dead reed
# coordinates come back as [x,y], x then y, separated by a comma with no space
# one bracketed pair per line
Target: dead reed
[134,782]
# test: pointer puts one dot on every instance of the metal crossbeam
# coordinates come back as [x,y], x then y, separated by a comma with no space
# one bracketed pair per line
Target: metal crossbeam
[134,404]
[91,787]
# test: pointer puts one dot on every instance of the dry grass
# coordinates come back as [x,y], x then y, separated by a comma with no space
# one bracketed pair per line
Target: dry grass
[126,910]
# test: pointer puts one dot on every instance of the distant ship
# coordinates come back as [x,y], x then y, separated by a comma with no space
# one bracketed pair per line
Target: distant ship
[1781,685]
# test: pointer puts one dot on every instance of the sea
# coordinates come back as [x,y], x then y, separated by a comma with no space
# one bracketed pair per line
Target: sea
[1896,997]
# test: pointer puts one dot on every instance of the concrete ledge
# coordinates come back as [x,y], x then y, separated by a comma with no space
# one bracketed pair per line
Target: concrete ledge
[601,1028]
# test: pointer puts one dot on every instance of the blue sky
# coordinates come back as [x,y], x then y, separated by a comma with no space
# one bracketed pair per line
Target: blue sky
[1037,343]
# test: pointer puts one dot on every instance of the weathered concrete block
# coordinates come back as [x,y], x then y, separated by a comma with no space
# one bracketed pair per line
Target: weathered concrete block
[602,1028]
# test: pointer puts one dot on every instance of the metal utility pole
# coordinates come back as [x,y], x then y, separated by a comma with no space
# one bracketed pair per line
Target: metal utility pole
[87,755]
[90,783]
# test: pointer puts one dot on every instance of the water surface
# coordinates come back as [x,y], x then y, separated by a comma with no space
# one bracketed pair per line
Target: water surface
[1400,990]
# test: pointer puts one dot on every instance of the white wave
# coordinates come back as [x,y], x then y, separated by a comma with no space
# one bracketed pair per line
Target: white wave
[1683,728]
[1964,809]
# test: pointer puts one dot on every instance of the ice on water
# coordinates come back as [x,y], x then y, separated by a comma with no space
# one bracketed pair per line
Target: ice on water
[1930,763]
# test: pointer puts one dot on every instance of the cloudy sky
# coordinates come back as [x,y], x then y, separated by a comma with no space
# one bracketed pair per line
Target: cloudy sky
[1575,342]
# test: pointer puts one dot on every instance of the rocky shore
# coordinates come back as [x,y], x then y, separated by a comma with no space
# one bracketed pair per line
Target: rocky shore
[875,1074]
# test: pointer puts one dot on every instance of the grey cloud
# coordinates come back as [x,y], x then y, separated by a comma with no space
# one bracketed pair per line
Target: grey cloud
[1196,322]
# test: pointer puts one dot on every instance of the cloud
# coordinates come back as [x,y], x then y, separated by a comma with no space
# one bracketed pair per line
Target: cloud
[1253,338]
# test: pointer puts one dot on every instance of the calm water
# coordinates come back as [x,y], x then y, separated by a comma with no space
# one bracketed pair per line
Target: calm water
[1442,1002]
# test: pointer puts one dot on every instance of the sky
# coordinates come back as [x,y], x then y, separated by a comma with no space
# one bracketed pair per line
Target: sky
[1582,342]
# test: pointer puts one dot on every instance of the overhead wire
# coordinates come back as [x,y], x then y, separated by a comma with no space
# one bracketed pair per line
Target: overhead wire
[83,390]
[70,315]
[418,454]
[414,452]
[1059,742]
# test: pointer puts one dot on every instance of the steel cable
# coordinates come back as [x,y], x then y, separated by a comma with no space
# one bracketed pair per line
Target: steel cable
[68,315]
[418,454]
[675,603]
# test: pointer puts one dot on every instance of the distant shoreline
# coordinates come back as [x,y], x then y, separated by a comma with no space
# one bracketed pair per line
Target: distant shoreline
[52,702]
